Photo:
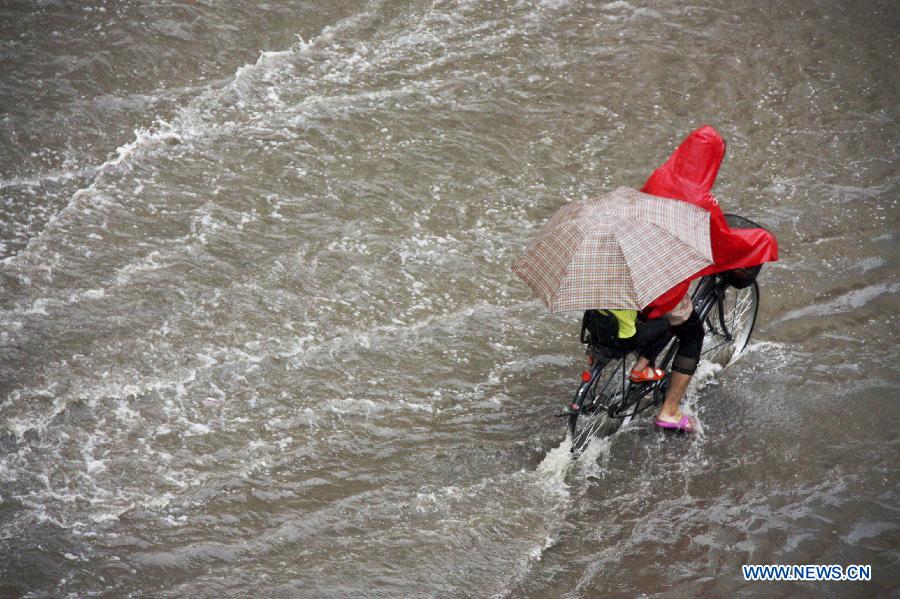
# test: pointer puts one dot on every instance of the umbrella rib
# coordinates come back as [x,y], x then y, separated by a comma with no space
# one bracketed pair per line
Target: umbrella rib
[565,273]
[687,245]
[630,275]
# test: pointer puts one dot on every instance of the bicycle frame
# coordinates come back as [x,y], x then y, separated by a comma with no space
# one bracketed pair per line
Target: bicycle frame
[709,293]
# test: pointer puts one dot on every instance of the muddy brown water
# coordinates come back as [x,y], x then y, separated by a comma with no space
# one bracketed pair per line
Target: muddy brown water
[259,335]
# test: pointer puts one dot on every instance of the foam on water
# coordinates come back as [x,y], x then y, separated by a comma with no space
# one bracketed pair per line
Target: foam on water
[843,303]
[57,176]
[277,329]
[556,464]
[192,122]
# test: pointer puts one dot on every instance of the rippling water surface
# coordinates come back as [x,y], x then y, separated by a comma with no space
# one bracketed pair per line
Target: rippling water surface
[259,335]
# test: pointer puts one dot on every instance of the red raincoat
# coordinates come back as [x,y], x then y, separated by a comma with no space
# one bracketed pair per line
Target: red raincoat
[688,175]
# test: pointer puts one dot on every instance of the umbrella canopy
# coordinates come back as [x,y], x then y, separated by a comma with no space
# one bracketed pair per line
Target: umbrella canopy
[618,251]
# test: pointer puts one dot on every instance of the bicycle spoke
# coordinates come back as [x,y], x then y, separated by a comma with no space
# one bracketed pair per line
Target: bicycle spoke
[594,420]
[739,311]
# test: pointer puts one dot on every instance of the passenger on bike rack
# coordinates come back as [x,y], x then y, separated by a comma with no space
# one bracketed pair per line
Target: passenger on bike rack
[625,334]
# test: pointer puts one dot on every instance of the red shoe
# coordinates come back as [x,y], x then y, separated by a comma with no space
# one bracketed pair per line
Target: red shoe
[647,375]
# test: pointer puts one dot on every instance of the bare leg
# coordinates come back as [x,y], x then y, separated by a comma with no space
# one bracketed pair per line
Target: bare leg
[678,384]
[641,363]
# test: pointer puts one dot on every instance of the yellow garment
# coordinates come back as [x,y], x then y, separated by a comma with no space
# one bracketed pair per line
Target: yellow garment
[627,322]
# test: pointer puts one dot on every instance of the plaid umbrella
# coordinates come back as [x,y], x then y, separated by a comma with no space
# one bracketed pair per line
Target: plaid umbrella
[619,251]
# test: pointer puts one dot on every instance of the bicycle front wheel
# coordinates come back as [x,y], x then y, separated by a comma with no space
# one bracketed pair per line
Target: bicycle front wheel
[593,419]
[730,324]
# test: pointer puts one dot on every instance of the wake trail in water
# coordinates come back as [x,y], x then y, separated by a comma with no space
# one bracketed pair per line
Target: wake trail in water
[191,123]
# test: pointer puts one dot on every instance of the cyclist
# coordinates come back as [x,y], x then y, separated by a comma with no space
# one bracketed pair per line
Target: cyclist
[688,175]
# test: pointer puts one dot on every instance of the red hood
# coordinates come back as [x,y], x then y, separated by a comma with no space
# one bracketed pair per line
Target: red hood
[690,172]
[688,175]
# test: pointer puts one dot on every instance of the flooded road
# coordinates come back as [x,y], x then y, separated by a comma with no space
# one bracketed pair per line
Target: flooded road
[259,335]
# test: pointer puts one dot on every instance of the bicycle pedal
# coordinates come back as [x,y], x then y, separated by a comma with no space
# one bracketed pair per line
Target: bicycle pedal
[642,383]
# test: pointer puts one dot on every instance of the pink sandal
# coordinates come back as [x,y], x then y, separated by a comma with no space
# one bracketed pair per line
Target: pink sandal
[686,424]
[647,375]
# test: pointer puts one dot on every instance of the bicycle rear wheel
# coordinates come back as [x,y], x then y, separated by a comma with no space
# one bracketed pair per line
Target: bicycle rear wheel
[738,315]
[593,419]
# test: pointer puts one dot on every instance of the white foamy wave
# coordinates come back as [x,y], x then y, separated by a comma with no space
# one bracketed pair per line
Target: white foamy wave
[553,468]
[843,303]
[628,11]
[20,423]
[595,457]
[705,375]
[760,347]
[190,123]
[57,176]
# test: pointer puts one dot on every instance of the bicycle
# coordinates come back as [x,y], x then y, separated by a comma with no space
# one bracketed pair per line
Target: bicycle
[727,304]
